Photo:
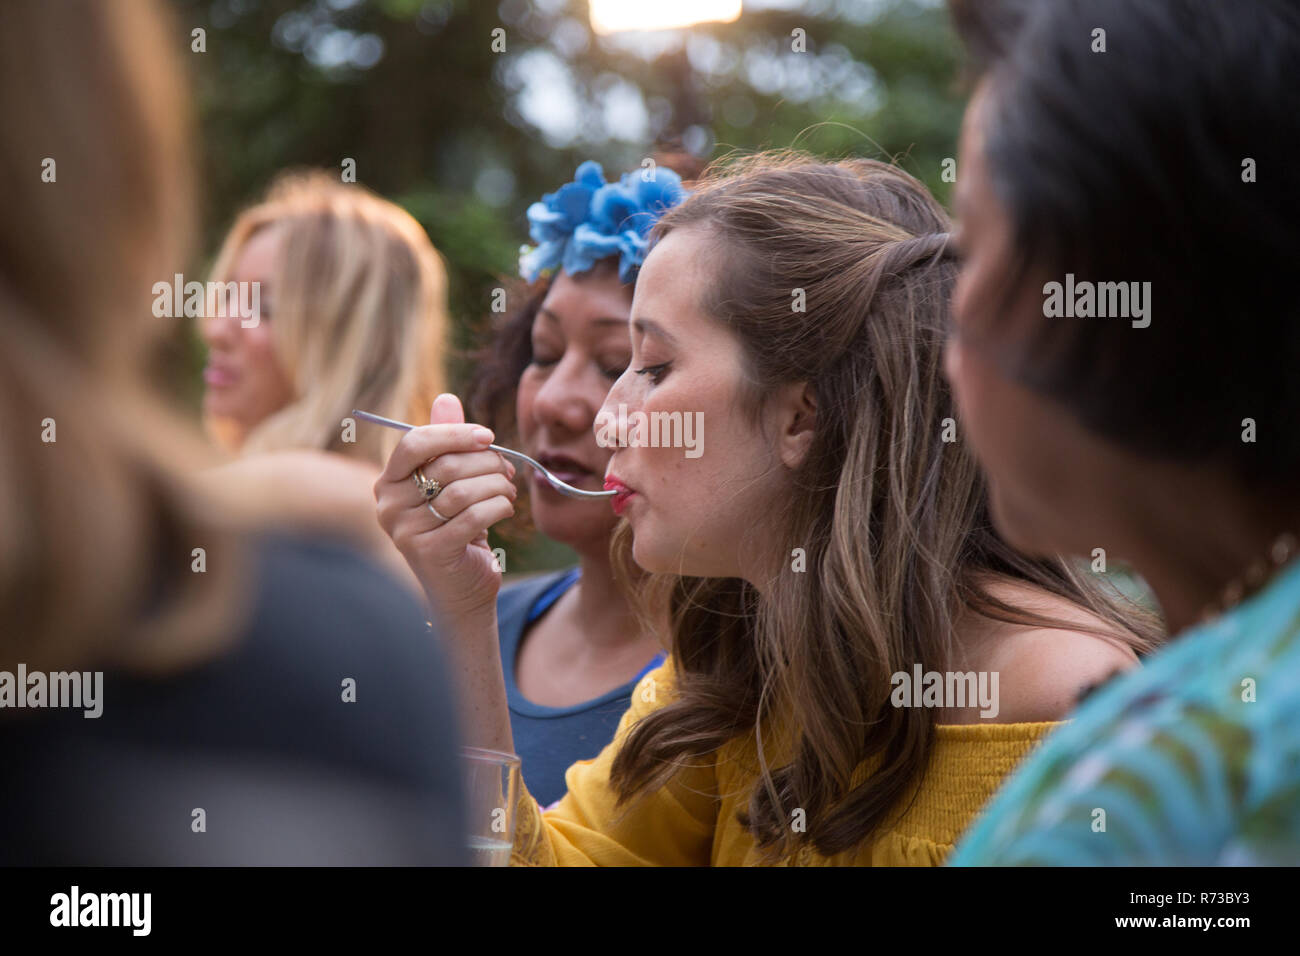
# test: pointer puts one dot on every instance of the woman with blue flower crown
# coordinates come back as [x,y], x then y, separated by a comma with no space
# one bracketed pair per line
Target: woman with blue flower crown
[571,648]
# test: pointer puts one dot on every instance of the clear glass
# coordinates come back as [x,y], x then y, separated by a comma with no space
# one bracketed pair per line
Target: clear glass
[491,790]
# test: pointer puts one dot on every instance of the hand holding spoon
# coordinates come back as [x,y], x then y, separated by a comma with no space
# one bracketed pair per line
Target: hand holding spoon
[562,487]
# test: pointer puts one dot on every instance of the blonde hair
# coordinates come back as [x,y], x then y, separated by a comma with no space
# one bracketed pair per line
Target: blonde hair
[360,316]
[96,525]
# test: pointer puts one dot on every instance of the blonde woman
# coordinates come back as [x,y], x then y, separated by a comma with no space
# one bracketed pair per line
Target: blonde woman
[213,685]
[352,314]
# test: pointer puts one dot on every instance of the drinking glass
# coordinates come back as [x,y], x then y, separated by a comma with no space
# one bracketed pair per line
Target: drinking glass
[491,789]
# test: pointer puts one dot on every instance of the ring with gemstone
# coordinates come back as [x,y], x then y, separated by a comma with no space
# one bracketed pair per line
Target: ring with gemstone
[430,488]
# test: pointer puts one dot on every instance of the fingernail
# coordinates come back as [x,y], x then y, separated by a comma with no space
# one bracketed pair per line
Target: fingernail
[482,435]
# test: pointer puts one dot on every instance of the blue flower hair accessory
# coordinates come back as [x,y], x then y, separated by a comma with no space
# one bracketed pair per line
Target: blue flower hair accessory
[589,219]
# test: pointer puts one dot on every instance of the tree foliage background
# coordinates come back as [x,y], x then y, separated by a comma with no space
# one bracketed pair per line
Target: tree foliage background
[465,137]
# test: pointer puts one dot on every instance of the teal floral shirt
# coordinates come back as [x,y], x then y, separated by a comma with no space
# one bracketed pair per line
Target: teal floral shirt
[1192,759]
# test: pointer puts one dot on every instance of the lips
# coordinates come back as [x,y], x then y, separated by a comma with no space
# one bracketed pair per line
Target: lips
[219,376]
[622,493]
[568,470]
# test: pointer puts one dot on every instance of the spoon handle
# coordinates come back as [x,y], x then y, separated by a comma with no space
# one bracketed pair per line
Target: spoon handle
[562,487]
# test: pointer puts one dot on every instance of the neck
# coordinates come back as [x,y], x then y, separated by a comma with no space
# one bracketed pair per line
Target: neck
[1192,534]
[605,612]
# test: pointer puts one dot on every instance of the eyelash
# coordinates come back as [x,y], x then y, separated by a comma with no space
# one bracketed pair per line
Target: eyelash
[610,373]
[656,372]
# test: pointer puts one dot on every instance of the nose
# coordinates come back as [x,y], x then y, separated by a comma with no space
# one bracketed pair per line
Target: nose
[219,331]
[606,424]
[565,401]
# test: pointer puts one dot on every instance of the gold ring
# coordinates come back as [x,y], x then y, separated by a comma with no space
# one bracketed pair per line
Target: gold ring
[430,488]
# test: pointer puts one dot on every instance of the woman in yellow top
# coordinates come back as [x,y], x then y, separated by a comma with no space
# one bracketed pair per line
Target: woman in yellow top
[819,558]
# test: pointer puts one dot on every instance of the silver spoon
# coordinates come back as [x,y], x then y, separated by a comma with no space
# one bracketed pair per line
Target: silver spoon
[562,487]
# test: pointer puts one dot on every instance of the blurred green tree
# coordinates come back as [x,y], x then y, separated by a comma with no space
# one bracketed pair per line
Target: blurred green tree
[465,134]
[466,137]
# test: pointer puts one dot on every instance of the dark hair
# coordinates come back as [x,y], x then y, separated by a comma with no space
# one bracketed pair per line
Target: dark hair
[501,359]
[1128,165]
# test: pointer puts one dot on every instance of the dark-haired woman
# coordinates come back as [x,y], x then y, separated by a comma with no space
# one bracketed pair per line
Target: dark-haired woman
[1165,165]
[571,648]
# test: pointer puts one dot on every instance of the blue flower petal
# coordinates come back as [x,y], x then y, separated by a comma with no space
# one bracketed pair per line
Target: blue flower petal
[633,249]
[540,261]
[589,219]
[662,191]
[594,243]
[612,206]
[590,174]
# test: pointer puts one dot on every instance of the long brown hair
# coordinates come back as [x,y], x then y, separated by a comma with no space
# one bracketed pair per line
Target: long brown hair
[96,526]
[892,519]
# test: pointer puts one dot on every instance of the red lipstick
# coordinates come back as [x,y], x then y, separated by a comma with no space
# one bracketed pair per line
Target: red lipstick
[621,493]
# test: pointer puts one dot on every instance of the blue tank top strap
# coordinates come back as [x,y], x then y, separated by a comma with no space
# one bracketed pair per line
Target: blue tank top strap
[552,594]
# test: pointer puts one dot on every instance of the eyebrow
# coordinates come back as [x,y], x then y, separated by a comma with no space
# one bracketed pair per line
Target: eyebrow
[649,326]
[603,320]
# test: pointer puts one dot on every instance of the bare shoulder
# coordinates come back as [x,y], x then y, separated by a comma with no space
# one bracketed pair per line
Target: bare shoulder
[1044,672]
[303,465]
[305,480]
[305,487]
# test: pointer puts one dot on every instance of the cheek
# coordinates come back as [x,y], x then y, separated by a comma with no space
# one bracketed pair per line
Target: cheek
[961,297]
[984,410]
[264,367]
[670,480]
[956,368]
[525,396]
[257,341]
[719,475]
[1017,443]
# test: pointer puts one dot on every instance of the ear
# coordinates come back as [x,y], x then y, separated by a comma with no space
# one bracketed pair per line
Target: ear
[796,418]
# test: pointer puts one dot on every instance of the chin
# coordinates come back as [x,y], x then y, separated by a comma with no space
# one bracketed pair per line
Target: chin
[650,556]
[574,528]
[223,403]
[664,557]
[645,557]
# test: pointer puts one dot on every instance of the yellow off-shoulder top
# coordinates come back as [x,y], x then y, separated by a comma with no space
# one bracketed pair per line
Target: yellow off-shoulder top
[692,820]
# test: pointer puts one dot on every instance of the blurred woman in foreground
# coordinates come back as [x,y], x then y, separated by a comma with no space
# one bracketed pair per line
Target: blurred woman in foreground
[353,314]
[1164,431]
[223,733]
